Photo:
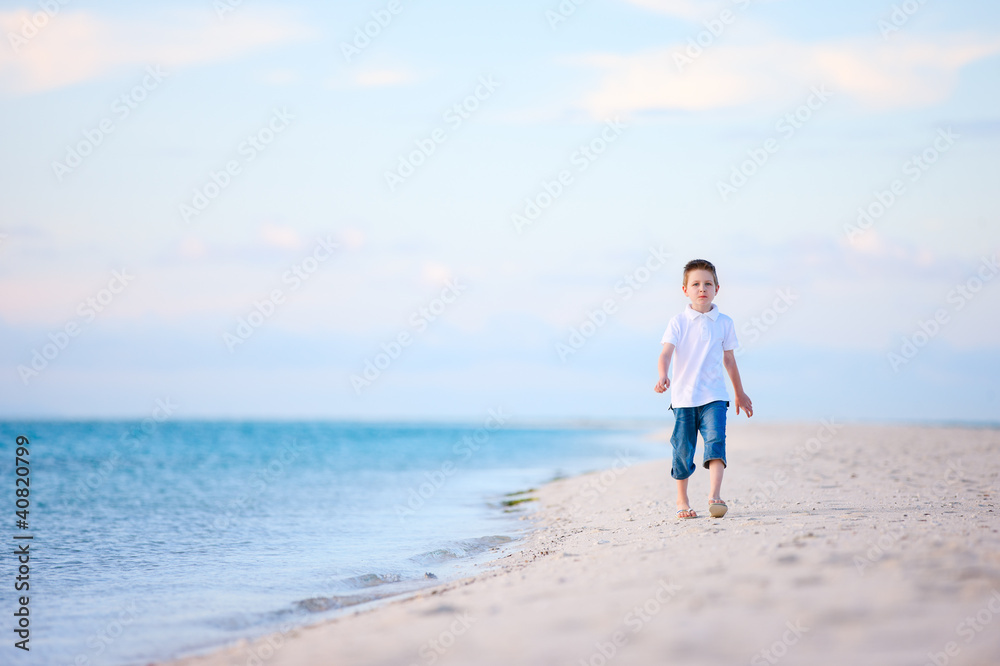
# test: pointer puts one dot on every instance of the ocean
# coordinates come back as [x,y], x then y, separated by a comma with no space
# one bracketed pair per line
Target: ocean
[153,540]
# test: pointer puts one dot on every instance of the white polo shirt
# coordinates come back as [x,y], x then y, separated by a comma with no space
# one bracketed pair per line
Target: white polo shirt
[699,340]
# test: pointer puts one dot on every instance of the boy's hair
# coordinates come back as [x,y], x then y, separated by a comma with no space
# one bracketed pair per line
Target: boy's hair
[700,265]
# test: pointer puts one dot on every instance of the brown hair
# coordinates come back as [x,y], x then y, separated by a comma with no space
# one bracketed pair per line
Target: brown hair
[700,265]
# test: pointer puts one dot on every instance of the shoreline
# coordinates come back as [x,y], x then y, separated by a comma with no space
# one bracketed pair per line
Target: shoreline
[378,597]
[859,543]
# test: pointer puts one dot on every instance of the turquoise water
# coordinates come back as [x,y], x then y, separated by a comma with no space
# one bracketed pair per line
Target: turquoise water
[161,539]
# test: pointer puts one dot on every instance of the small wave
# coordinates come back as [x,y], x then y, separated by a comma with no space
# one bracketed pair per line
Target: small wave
[372,580]
[460,549]
[320,604]
[242,621]
[390,584]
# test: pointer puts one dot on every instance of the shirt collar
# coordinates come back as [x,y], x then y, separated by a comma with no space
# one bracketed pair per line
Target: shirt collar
[693,314]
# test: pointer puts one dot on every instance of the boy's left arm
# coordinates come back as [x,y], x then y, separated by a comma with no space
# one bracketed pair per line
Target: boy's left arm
[742,399]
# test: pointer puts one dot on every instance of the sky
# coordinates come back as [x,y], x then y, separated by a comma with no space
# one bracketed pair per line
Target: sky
[427,210]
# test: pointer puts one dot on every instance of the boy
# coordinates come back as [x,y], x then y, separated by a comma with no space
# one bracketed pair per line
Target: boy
[703,339]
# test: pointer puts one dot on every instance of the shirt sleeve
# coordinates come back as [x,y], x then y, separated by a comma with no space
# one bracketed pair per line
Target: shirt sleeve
[673,332]
[729,341]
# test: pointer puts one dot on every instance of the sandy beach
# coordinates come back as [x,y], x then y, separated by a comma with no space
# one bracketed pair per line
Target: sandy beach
[844,544]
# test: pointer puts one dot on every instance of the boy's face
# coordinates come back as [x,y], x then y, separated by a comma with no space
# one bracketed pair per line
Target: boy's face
[701,289]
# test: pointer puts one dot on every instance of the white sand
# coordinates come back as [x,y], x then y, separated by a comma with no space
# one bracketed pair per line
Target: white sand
[868,545]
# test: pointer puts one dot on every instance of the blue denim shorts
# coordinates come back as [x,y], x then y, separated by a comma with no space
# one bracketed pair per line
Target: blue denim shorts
[710,421]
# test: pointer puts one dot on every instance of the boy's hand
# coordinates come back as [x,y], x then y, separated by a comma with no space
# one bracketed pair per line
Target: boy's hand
[743,400]
[662,385]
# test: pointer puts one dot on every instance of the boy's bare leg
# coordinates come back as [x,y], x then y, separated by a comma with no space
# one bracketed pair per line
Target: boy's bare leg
[715,470]
[682,494]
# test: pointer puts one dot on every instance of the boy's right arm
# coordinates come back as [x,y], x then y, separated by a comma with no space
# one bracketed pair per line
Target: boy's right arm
[665,356]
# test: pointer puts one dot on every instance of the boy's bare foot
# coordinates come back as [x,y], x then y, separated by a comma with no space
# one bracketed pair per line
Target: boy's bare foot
[686,513]
[717,508]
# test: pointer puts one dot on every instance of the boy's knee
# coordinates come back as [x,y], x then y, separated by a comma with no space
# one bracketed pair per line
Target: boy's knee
[716,462]
[681,474]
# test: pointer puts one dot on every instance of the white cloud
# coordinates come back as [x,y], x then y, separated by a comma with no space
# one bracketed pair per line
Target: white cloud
[283,237]
[436,273]
[192,248]
[75,47]
[353,238]
[373,77]
[279,76]
[685,9]
[377,78]
[876,74]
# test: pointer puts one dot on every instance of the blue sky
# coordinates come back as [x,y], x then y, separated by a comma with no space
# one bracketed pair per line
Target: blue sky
[231,158]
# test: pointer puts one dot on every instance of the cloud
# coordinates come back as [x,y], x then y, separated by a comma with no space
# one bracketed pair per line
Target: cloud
[75,47]
[281,237]
[192,248]
[383,77]
[279,76]
[871,72]
[685,9]
[694,10]
[435,273]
